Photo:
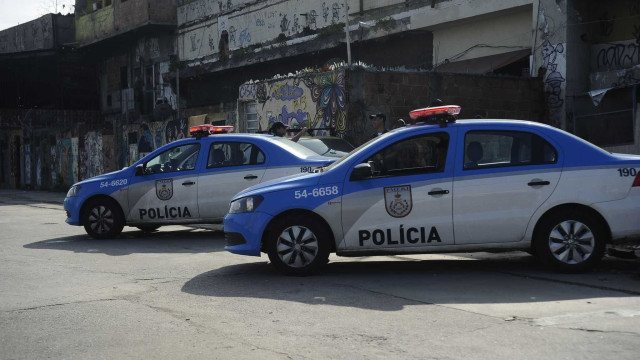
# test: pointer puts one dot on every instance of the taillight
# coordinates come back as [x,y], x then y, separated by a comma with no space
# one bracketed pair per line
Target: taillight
[636,182]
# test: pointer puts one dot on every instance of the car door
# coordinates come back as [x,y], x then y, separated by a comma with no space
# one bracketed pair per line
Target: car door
[406,202]
[501,177]
[231,166]
[167,191]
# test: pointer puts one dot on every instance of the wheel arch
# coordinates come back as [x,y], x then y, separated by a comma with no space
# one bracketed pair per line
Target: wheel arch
[93,198]
[571,207]
[297,212]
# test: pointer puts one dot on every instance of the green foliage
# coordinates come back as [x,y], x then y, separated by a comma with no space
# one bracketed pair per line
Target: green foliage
[386,24]
[333,29]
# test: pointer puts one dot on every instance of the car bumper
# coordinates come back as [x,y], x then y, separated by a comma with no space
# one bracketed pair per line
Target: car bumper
[72,206]
[244,232]
[622,217]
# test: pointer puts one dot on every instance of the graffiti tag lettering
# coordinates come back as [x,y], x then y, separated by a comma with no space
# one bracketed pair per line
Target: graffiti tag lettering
[618,56]
[286,92]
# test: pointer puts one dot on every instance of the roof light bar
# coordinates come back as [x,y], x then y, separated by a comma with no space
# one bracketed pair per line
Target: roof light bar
[452,110]
[222,129]
[207,129]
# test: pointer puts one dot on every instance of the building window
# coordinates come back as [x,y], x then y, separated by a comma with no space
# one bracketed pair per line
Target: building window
[611,122]
[124,78]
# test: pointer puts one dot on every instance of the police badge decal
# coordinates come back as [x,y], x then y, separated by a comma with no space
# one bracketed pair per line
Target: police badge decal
[164,189]
[397,200]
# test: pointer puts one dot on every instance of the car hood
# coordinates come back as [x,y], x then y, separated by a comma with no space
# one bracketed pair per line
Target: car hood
[284,183]
[108,176]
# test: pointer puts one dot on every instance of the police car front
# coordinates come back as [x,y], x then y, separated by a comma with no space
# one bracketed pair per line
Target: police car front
[447,186]
[188,181]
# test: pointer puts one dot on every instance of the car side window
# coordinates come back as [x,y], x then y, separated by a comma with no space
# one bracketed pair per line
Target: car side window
[179,158]
[227,154]
[416,155]
[491,149]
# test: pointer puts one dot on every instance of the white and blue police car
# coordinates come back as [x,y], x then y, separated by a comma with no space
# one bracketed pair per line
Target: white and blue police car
[185,182]
[447,186]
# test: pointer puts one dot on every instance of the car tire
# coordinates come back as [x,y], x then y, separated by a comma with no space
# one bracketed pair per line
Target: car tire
[298,245]
[103,219]
[570,241]
[148,228]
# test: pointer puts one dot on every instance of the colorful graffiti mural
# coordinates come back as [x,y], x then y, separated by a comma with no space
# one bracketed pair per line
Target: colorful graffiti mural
[314,100]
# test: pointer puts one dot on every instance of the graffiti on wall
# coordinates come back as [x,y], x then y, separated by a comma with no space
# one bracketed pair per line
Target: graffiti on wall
[254,24]
[68,160]
[55,168]
[27,164]
[555,62]
[146,137]
[617,56]
[317,101]
[91,161]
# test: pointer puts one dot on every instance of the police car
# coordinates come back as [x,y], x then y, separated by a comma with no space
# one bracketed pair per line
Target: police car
[187,181]
[447,186]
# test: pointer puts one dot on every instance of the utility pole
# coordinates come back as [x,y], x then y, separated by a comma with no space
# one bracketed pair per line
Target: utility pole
[346,22]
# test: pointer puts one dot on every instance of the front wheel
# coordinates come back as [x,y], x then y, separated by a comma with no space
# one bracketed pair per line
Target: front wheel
[103,219]
[298,245]
[571,241]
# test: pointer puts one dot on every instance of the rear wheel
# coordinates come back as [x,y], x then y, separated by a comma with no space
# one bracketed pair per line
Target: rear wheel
[571,241]
[298,245]
[103,219]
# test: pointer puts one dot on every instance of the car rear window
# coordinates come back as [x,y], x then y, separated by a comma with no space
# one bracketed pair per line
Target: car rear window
[294,147]
[488,149]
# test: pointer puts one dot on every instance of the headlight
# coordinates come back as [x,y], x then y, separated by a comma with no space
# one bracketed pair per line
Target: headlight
[73,191]
[245,204]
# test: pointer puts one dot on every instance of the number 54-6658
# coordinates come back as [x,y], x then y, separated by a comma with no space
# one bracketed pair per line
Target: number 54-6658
[317,192]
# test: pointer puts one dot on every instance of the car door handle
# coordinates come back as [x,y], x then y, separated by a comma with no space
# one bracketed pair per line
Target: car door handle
[188,183]
[538,183]
[438,192]
[250,177]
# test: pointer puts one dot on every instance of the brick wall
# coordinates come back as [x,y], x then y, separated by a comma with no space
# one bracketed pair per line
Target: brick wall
[397,93]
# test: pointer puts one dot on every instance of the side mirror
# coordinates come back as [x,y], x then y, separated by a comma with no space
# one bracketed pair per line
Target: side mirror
[140,170]
[360,172]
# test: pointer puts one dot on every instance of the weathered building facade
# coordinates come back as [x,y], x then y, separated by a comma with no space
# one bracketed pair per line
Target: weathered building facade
[147,70]
[47,92]
[133,45]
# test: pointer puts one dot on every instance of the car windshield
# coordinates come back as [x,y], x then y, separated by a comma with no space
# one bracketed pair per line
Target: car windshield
[335,147]
[354,151]
[294,148]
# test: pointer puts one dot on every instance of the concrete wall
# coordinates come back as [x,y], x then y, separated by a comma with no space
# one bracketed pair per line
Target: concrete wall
[44,33]
[343,99]
[95,25]
[122,16]
[615,46]
[479,37]
[397,93]
[550,57]
[253,24]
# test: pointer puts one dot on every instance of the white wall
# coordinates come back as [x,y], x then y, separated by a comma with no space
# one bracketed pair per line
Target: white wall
[255,24]
[483,37]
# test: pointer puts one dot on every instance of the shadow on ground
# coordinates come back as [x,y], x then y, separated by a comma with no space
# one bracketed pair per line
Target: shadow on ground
[392,285]
[183,240]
